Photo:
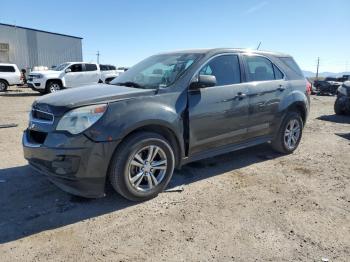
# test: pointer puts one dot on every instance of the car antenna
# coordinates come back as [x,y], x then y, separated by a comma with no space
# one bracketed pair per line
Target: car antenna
[258,46]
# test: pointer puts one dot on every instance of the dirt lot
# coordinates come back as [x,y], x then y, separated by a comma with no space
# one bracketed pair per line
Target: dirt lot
[250,205]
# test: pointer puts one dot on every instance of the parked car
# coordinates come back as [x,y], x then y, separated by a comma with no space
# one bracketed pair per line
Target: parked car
[342,103]
[327,86]
[9,76]
[166,111]
[67,75]
[108,73]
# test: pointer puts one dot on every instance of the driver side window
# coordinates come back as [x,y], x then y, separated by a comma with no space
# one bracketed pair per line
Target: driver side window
[225,68]
[76,68]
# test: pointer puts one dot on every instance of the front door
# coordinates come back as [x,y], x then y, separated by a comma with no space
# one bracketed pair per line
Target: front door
[75,77]
[218,115]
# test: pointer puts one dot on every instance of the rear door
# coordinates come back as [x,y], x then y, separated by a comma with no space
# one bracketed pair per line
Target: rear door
[267,86]
[218,115]
[91,74]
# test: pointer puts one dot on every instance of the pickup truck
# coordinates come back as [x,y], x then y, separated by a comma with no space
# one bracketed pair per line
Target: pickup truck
[9,75]
[70,74]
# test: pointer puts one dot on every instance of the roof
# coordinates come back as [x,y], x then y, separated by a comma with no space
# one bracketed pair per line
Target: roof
[222,50]
[42,31]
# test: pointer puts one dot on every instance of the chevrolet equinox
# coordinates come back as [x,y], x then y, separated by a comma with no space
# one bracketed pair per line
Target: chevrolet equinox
[166,111]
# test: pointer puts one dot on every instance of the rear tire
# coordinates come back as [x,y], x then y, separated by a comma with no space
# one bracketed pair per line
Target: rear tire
[289,135]
[142,166]
[53,86]
[3,86]
[338,108]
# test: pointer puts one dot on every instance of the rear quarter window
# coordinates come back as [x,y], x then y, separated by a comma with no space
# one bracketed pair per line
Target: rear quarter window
[7,69]
[292,65]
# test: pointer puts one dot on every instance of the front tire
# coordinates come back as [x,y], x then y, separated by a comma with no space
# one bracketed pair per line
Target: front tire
[338,107]
[53,87]
[142,166]
[3,86]
[289,135]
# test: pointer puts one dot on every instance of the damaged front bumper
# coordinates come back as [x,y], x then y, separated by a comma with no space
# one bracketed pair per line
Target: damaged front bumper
[76,164]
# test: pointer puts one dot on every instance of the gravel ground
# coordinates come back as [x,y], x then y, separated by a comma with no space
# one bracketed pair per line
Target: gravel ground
[249,205]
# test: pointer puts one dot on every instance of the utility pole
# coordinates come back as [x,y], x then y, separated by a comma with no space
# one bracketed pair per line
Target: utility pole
[98,57]
[318,65]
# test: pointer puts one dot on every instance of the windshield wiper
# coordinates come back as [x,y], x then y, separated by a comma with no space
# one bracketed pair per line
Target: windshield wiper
[129,84]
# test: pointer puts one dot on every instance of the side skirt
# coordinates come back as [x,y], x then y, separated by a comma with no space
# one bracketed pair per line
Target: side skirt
[226,149]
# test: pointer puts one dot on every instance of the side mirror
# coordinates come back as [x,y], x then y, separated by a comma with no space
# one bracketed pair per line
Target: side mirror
[203,82]
[68,70]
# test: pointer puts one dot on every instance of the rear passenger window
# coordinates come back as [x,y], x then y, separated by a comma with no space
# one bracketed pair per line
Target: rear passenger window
[278,73]
[7,69]
[90,67]
[259,69]
[225,68]
[103,67]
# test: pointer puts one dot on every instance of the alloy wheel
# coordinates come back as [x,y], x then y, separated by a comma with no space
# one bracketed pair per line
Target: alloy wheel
[292,134]
[54,87]
[2,86]
[147,168]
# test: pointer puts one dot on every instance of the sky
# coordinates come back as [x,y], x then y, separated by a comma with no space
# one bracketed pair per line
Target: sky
[125,32]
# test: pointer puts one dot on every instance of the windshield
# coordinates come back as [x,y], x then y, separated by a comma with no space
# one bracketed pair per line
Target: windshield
[157,71]
[61,67]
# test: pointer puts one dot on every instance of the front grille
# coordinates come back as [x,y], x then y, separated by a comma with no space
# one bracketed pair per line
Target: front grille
[37,136]
[41,115]
[42,112]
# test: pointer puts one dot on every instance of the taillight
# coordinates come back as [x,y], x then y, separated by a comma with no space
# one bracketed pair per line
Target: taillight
[308,87]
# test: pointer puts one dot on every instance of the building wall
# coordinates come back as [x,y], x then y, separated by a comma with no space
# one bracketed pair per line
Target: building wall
[28,48]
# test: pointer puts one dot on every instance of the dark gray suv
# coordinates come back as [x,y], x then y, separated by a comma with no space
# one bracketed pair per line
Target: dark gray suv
[166,111]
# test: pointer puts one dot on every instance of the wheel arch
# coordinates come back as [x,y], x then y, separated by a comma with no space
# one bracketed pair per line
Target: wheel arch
[162,129]
[53,80]
[299,107]
[1,79]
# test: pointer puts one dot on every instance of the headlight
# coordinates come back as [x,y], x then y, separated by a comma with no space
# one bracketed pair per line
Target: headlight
[342,90]
[80,119]
[37,76]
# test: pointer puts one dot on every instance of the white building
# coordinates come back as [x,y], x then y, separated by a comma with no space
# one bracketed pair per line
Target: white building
[28,47]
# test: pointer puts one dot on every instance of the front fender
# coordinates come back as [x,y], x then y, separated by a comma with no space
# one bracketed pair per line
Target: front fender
[126,116]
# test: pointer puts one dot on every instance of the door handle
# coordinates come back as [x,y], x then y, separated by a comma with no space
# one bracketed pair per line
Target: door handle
[281,88]
[241,95]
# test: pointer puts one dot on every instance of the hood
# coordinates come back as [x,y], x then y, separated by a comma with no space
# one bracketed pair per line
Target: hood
[45,72]
[87,95]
